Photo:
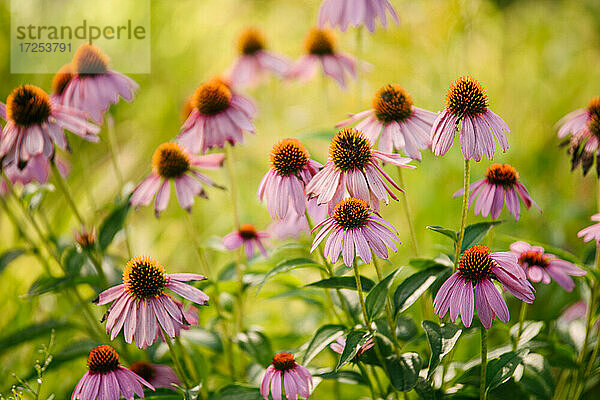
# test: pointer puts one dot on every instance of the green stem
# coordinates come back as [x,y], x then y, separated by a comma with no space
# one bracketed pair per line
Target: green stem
[187,360]
[522,315]
[463,220]
[365,374]
[482,382]
[388,308]
[62,186]
[233,188]
[176,362]
[408,215]
[97,265]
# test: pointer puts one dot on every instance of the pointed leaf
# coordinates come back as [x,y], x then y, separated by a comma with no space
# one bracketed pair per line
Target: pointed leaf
[475,232]
[349,377]
[322,338]
[501,369]
[537,377]
[404,370]
[442,339]
[9,256]
[375,301]
[257,345]
[289,265]
[444,231]
[414,286]
[343,282]
[354,340]
[238,392]
[112,224]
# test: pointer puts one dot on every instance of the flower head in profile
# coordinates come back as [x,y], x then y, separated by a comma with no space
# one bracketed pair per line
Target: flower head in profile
[142,307]
[476,269]
[540,266]
[107,379]
[352,225]
[60,81]
[249,237]
[340,343]
[93,86]
[255,61]
[356,13]
[321,51]
[584,126]
[500,186]
[86,237]
[297,381]
[467,104]
[219,115]
[173,162]
[402,126]
[159,376]
[592,231]
[35,122]
[355,166]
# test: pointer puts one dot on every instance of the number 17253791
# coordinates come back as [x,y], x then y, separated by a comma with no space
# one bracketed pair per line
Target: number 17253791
[45,47]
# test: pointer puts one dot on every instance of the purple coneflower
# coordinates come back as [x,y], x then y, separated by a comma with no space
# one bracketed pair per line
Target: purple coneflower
[85,237]
[158,375]
[467,101]
[353,225]
[354,165]
[297,381]
[356,13]
[592,231]
[36,122]
[219,115]
[36,170]
[248,236]
[477,267]
[254,61]
[340,343]
[283,185]
[402,125]
[500,186]
[293,225]
[106,379]
[540,266]
[172,162]
[142,307]
[320,46]
[60,81]
[93,86]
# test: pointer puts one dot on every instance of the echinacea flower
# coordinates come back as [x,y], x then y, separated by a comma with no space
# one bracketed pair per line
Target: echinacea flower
[540,266]
[85,237]
[340,343]
[246,236]
[159,376]
[94,86]
[321,50]
[477,268]
[60,81]
[353,225]
[106,379]
[402,125]
[500,186]
[584,126]
[283,185]
[36,170]
[255,61]
[35,122]
[592,231]
[173,162]
[356,13]
[219,115]
[293,225]
[141,306]
[354,165]
[467,103]
[297,381]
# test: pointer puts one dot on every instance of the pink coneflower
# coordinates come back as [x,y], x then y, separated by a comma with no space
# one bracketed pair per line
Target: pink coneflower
[60,81]
[297,381]
[354,165]
[356,13]
[248,236]
[36,170]
[320,48]
[158,375]
[402,125]
[500,186]
[254,61]
[540,266]
[94,86]
[584,125]
[172,162]
[340,343]
[219,115]
[85,237]
[467,101]
[592,231]
[477,267]
[106,379]
[36,122]
[353,225]
[293,225]
[142,307]
[283,185]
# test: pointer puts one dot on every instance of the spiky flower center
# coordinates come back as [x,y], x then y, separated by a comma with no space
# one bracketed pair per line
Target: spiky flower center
[593,123]
[212,97]
[350,150]
[89,61]
[86,237]
[392,103]
[28,105]
[532,257]
[475,264]
[351,213]
[284,361]
[143,369]
[466,96]
[251,41]
[289,157]
[61,79]
[248,231]
[170,160]
[320,42]
[502,174]
[103,359]
[144,277]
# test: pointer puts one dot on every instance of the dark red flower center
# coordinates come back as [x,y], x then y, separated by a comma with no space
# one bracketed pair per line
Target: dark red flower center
[532,257]
[466,96]
[289,157]
[143,369]
[28,105]
[392,103]
[248,231]
[320,42]
[89,61]
[351,213]
[350,150]
[170,160]
[86,237]
[144,277]
[251,41]
[61,79]
[212,97]
[284,361]
[502,174]
[475,264]
[103,359]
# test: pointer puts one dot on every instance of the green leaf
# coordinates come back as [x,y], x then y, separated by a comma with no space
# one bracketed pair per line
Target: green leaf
[257,345]
[501,369]
[322,338]
[530,330]
[112,224]
[289,265]
[354,340]
[426,391]
[444,231]
[9,256]
[47,284]
[203,337]
[474,233]
[349,377]
[424,263]
[73,261]
[343,282]
[34,193]
[442,339]
[31,332]
[238,392]
[537,377]
[413,287]
[403,370]
[375,301]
